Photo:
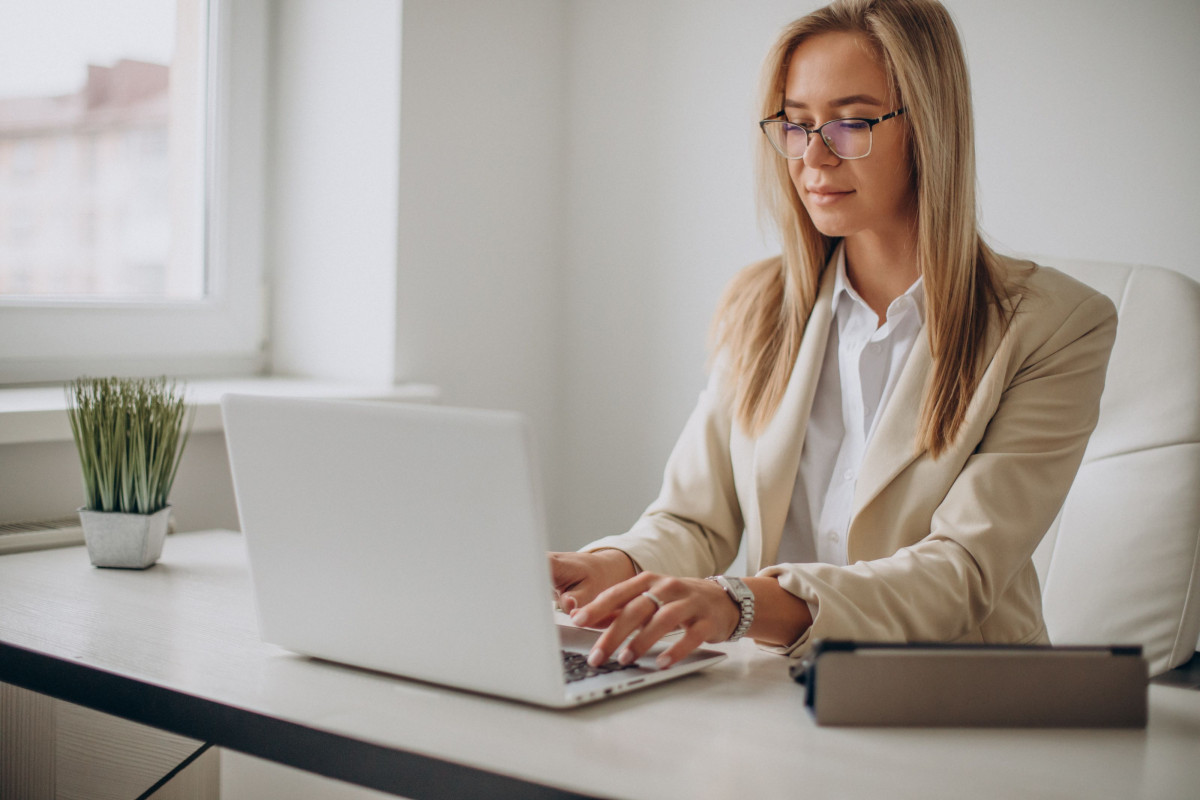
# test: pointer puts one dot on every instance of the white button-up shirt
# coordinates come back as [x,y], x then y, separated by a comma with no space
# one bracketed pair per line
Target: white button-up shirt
[862,362]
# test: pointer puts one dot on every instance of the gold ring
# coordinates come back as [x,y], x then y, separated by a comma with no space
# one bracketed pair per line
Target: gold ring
[653,599]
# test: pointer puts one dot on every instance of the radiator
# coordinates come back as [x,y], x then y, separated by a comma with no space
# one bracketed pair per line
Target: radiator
[18,537]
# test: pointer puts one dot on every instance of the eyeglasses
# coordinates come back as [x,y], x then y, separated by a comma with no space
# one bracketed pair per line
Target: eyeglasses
[848,138]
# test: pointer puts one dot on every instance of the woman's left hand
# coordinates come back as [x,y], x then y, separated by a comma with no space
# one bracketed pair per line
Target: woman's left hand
[653,606]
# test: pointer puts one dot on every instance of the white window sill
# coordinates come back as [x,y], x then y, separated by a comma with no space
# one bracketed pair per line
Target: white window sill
[38,414]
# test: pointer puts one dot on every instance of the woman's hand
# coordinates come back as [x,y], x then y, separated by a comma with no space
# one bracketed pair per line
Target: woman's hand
[579,577]
[653,606]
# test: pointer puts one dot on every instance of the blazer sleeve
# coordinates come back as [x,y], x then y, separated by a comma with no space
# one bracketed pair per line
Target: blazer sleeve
[694,527]
[984,531]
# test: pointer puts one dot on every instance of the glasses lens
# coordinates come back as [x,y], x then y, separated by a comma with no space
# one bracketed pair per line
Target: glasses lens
[790,140]
[848,138]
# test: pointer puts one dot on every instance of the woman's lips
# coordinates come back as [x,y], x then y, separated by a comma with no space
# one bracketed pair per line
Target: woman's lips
[826,196]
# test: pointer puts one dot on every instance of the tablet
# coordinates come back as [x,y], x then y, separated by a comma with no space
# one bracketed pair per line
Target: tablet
[974,685]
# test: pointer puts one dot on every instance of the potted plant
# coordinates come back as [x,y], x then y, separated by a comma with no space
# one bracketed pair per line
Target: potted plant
[130,434]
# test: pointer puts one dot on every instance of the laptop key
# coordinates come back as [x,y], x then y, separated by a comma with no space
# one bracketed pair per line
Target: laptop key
[576,668]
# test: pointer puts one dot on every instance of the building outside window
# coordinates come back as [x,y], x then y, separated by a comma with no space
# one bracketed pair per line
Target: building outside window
[90,168]
[89,184]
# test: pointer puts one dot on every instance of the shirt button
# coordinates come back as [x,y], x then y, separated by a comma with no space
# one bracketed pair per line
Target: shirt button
[875,348]
[848,474]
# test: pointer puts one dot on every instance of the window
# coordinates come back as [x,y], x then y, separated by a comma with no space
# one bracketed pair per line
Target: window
[130,188]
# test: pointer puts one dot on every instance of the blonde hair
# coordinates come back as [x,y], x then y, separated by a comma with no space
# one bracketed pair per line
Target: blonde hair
[762,315]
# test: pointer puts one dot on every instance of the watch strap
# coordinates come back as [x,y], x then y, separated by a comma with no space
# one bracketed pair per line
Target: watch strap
[741,595]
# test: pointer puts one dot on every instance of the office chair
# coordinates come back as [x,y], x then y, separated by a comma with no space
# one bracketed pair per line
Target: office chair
[1121,564]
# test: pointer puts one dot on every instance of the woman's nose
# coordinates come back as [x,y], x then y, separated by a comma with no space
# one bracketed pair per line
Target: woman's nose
[817,152]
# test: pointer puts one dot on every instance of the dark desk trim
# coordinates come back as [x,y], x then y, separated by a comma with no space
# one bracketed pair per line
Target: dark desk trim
[334,756]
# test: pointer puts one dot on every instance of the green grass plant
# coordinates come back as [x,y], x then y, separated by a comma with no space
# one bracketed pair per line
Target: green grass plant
[130,434]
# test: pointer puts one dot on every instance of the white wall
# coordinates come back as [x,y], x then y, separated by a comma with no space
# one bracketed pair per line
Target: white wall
[479,263]
[660,215]
[332,169]
[1087,120]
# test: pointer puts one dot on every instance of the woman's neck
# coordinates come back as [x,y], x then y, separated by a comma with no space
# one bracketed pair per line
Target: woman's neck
[881,269]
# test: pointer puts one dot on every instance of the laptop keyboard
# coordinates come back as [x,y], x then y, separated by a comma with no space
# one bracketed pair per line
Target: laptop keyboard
[576,668]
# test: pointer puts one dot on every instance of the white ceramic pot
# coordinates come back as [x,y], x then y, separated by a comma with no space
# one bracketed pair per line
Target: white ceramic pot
[128,541]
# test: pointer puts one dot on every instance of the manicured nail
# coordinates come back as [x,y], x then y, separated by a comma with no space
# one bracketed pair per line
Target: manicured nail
[595,658]
[577,616]
[663,661]
[626,657]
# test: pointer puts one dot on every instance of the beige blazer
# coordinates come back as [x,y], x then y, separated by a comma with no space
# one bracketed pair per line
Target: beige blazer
[939,550]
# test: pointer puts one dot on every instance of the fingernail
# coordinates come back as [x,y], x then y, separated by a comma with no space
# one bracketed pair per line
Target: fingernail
[595,658]
[577,616]
[663,661]
[626,657]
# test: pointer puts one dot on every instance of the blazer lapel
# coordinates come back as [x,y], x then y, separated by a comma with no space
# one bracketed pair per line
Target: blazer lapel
[777,450]
[894,445]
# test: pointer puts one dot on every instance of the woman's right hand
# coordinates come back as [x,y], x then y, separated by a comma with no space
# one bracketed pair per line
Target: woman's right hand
[579,577]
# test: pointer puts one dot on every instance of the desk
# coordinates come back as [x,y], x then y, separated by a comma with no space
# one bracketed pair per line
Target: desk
[176,647]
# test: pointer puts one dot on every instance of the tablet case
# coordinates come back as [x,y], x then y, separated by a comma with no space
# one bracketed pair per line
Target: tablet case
[953,685]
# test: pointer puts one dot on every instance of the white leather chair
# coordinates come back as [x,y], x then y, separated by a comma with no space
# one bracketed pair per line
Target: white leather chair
[1122,562]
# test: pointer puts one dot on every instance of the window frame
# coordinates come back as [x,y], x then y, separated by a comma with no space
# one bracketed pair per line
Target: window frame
[223,334]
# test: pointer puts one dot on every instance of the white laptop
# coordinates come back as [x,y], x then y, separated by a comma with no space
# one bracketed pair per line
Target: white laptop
[410,539]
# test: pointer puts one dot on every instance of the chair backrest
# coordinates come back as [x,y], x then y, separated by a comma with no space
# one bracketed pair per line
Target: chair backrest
[1122,562]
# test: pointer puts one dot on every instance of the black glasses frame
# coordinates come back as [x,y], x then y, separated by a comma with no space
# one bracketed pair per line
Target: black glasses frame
[808,132]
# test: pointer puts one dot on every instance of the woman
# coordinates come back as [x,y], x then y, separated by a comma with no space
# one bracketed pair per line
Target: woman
[895,413]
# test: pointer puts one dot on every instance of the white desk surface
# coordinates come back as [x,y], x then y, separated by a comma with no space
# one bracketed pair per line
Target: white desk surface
[185,629]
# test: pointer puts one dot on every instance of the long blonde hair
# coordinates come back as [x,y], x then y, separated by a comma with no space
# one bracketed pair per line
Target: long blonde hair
[762,315]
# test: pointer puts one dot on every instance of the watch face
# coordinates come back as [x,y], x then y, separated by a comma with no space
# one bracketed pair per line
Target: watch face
[740,589]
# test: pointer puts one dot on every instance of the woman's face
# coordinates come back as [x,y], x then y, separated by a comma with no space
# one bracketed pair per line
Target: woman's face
[831,76]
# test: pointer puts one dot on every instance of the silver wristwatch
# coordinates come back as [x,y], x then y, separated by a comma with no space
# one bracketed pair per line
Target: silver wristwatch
[740,594]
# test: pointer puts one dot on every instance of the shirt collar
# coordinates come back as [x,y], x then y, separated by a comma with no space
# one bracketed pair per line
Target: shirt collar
[913,297]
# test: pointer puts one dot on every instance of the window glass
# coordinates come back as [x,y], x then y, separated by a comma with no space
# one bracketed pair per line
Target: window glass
[102,150]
